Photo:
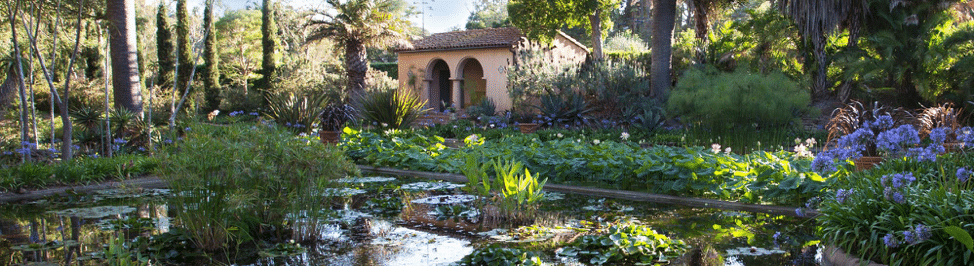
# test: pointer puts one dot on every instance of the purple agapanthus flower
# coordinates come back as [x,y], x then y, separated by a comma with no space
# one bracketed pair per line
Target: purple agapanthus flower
[894,140]
[963,174]
[890,241]
[882,123]
[939,135]
[842,195]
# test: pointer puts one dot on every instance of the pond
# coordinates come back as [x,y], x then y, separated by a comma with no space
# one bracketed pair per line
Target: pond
[391,221]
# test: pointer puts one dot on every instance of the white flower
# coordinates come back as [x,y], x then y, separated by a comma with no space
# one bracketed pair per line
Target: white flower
[715,148]
[810,142]
[559,135]
[624,136]
[798,140]
[728,150]
[596,142]
[472,138]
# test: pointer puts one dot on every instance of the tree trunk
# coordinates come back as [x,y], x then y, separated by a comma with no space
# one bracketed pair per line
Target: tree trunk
[701,20]
[820,88]
[356,67]
[664,15]
[125,62]
[596,20]
[855,27]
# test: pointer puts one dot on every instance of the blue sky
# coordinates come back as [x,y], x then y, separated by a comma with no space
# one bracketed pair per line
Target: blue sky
[440,15]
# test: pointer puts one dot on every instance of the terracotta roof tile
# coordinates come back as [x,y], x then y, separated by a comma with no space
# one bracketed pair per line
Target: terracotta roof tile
[496,37]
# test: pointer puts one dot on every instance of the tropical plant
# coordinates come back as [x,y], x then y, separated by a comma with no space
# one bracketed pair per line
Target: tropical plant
[296,113]
[355,25]
[390,108]
[334,116]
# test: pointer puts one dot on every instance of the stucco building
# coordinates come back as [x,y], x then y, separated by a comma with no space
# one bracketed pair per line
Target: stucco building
[461,68]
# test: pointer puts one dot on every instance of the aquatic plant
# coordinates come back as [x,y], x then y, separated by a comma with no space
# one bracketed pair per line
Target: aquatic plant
[235,184]
[628,243]
[494,255]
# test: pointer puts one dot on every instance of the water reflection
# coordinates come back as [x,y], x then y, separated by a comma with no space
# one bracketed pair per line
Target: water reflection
[414,237]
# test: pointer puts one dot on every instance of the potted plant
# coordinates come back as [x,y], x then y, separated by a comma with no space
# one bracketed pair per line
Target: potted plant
[333,119]
[526,123]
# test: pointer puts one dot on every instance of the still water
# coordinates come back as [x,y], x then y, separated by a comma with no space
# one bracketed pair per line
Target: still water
[387,221]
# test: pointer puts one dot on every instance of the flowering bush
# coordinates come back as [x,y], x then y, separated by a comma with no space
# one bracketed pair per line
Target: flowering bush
[904,212]
[879,137]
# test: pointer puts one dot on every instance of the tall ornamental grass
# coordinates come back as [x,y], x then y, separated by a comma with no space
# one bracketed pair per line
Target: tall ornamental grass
[241,183]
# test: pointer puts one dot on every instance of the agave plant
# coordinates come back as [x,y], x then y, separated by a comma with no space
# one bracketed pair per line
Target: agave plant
[391,108]
[87,118]
[297,113]
[570,109]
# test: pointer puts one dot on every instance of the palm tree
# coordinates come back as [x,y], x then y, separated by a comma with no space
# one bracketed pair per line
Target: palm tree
[816,19]
[664,16]
[125,65]
[358,24]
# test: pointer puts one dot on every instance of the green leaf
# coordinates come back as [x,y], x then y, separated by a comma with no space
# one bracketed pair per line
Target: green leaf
[961,235]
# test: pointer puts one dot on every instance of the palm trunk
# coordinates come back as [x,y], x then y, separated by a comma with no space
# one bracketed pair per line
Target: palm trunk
[664,15]
[357,67]
[126,84]
[701,27]
[820,90]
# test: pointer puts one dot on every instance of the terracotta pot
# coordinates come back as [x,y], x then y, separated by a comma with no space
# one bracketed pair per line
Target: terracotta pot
[527,128]
[330,137]
[867,162]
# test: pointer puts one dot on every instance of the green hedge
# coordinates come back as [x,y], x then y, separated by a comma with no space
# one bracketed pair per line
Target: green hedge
[391,69]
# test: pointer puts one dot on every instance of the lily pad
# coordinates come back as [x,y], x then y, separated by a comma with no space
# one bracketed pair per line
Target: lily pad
[445,199]
[753,251]
[44,246]
[95,212]
[426,186]
[367,179]
[342,192]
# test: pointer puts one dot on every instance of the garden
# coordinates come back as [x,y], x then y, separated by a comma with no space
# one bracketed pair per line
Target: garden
[279,135]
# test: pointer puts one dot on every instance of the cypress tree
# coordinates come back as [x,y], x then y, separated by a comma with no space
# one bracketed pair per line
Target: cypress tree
[211,74]
[164,48]
[268,29]
[182,44]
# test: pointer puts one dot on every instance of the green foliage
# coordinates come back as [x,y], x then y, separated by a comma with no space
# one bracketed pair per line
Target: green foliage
[211,73]
[183,50]
[79,171]
[489,14]
[535,75]
[494,255]
[236,184]
[627,243]
[164,48]
[568,109]
[780,177]
[390,108]
[484,108]
[612,85]
[391,69]
[870,209]
[296,113]
[118,254]
[268,44]
[541,20]
[717,99]
[626,41]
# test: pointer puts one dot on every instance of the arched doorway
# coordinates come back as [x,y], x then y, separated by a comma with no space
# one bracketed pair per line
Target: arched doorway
[474,86]
[440,88]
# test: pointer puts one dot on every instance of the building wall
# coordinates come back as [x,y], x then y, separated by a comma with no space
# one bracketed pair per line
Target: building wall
[414,68]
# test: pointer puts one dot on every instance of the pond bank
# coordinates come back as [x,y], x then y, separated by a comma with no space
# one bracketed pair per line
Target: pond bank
[155,182]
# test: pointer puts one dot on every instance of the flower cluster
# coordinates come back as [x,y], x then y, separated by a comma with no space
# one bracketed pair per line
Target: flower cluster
[894,185]
[893,140]
[802,148]
[963,174]
[295,125]
[912,235]
[842,195]
[236,113]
